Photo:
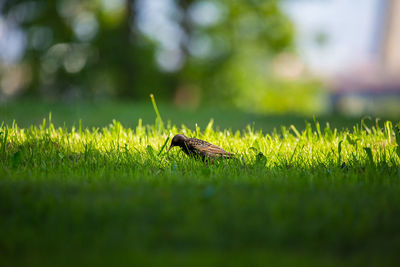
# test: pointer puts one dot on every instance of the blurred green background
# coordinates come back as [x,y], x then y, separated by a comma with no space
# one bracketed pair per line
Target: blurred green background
[257,57]
[188,53]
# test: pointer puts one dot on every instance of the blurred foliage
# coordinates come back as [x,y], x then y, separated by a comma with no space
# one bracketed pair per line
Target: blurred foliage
[80,48]
[189,51]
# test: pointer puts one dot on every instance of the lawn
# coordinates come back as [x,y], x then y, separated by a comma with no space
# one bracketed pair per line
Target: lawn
[97,193]
[100,114]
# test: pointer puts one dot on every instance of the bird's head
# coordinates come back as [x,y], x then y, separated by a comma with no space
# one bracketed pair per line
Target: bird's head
[178,140]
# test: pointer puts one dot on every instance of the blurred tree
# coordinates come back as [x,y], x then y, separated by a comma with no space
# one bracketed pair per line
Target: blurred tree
[229,46]
[192,50]
[85,48]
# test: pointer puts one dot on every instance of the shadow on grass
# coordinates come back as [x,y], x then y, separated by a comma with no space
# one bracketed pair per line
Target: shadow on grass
[104,207]
[29,112]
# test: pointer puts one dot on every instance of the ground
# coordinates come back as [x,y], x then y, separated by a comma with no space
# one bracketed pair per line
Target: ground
[107,193]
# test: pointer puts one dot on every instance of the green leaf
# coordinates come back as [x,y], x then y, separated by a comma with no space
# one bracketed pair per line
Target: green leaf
[295,131]
[339,151]
[159,122]
[209,127]
[162,148]
[150,151]
[255,150]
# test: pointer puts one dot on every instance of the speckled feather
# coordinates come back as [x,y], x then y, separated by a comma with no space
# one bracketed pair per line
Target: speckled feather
[205,149]
[198,148]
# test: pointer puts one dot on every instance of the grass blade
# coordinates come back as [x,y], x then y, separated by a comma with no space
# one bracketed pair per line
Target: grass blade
[162,148]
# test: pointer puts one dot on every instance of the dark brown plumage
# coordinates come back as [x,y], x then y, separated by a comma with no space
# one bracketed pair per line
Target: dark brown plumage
[198,148]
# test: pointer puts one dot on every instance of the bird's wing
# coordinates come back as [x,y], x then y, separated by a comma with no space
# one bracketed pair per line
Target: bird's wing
[206,149]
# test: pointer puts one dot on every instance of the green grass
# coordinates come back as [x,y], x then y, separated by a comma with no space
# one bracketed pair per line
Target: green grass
[100,114]
[114,196]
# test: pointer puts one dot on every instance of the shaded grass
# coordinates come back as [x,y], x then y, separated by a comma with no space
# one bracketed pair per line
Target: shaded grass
[113,195]
[99,114]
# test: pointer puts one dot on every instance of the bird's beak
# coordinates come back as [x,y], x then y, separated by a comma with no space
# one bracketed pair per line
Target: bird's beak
[170,147]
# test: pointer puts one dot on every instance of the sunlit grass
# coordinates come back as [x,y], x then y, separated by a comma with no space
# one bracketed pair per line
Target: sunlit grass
[317,194]
[126,149]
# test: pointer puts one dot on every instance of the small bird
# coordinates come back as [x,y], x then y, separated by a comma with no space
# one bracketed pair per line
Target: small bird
[197,148]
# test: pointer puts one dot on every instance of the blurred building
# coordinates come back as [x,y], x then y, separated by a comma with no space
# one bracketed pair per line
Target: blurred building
[390,47]
[374,87]
[355,47]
